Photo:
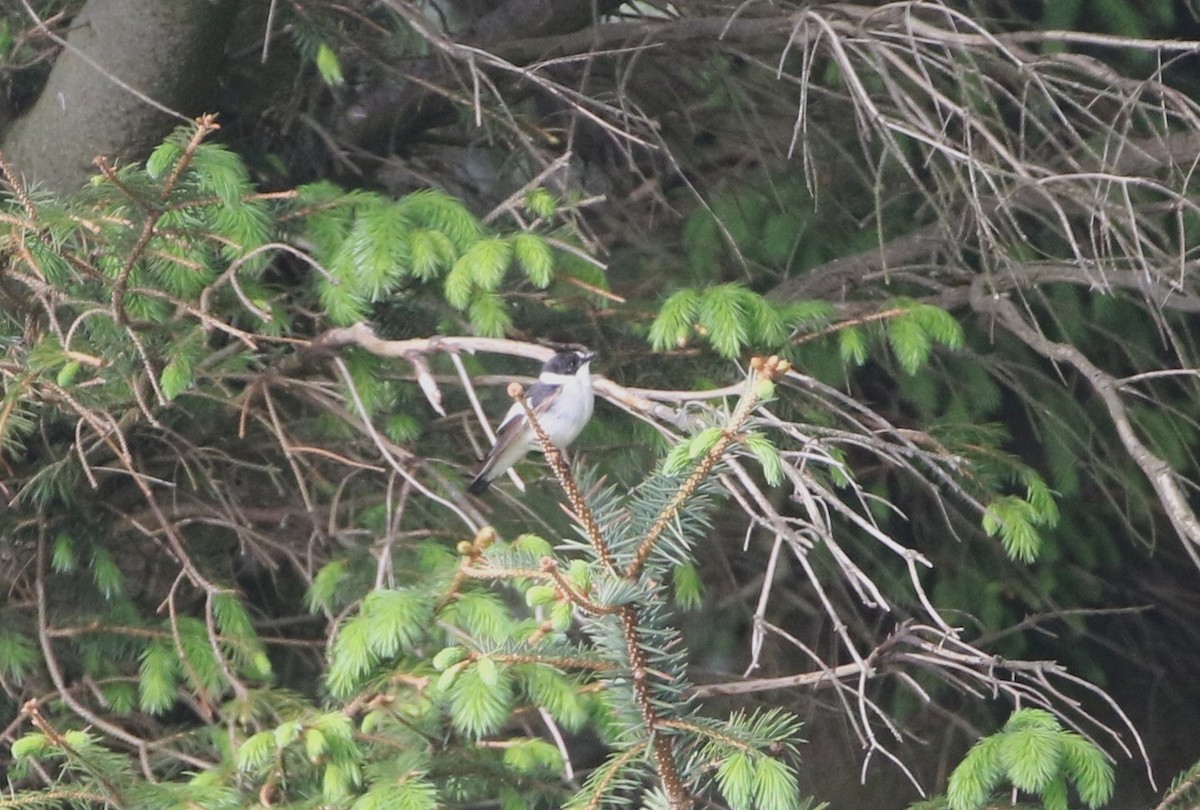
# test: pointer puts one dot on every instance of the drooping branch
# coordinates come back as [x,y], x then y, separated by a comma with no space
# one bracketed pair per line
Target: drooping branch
[581,44]
[922,246]
[1164,480]
[1065,166]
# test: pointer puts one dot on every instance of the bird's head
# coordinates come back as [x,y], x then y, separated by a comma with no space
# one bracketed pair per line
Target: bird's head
[570,363]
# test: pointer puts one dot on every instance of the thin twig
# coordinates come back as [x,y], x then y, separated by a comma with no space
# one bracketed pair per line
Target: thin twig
[1158,472]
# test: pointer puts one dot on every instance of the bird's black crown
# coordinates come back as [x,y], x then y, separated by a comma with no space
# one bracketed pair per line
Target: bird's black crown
[568,362]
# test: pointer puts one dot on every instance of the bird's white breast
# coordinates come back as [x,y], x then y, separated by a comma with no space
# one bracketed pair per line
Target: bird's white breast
[573,410]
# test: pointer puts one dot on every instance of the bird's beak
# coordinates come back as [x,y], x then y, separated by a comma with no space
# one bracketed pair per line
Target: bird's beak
[589,357]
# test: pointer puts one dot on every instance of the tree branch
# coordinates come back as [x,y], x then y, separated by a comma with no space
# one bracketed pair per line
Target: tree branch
[1158,472]
[641,401]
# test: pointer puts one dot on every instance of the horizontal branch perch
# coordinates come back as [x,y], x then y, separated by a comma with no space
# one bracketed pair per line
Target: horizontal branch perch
[643,401]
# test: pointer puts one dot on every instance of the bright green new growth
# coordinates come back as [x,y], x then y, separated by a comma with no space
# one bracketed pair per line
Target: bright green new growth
[425,680]
[1018,520]
[1036,755]
[731,318]
[913,333]
[426,677]
[452,660]
[372,246]
[144,334]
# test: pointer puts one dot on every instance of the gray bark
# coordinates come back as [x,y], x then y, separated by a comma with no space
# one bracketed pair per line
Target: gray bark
[168,50]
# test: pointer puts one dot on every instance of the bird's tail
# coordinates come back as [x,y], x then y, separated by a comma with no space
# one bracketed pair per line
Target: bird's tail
[479,485]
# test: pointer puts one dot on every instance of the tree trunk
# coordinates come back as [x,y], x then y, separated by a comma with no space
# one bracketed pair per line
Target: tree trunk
[168,51]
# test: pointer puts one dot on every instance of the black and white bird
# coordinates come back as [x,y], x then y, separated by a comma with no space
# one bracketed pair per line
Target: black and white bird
[561,400]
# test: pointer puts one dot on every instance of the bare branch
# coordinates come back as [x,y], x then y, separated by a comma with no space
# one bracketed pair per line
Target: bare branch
[1158,472]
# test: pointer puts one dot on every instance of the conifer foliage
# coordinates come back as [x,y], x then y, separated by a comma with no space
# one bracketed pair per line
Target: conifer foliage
[1035,755]
[150,334]
[136,318]
[239,402]
[428,681]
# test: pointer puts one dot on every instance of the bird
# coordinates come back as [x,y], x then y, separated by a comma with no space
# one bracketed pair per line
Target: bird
[562,401]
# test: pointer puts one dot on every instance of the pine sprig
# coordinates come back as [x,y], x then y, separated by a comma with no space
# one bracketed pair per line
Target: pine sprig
[1019,521]
[1184,791]
[388,623]
[17,656]
[620,774]
[623,612]
[374,248]
[557,463]
[729,316]
[758,387]
[1036,755]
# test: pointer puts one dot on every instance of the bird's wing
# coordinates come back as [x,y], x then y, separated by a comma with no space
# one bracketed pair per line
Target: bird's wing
[514,438]
[514,411]
[514,422]
[540,397]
